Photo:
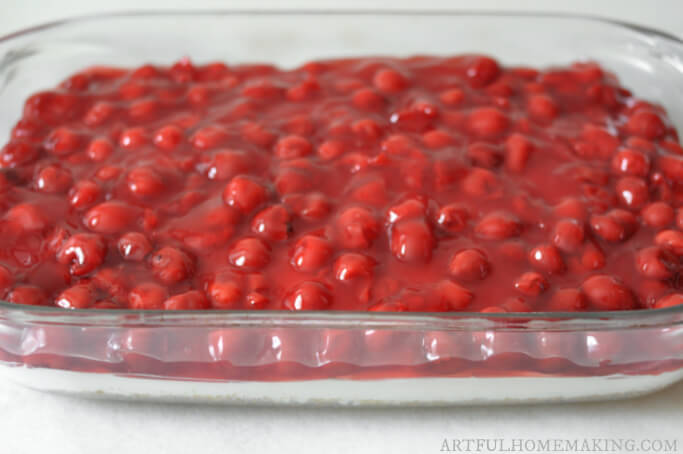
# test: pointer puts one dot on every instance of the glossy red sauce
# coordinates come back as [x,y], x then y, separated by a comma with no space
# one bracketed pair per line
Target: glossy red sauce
[383,184]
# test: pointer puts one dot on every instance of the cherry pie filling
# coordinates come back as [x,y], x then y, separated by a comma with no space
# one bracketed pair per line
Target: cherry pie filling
[370,184]
[427,184]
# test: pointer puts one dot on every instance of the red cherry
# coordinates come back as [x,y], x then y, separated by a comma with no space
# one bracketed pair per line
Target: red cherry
[310,253]
[658,214]
[571,208]
[453,96]
[28,216]
[632,192]
[17,154]
[542,107]
[516,304]
[273,223]
[225,164]
[171,265]
[631,162]
[547,258]
[674,299]
[469,265]
[80,296]
[257,134]
[517,152]
[99,149]
[331,149]
[256,301]
[601,140]
[412,240]
[147,296]
[651,290]
[63,141]
[250,253]
[567,300]
[456,297]
[656,263]
[145,182]
[305,90]
[192,300]
[210,136]
[437,139]
[351,265]
[411,208]
[481,71]
[134,246]
[357,228]
[53,179]
[484,155]
[99,114]
[367,130]
[84,193]
[110,217]
[367,99]
[614,226]
[671,240]
[143,109]
[389,81]
[645,124]
[225,294]
[498,226]
[672,167]
[112,281]
[481,183]
[568,235]
[531,284]
[592,257]
[487,122]
[292,180]
[168,137]
[493,310]
[291,147]
[133,138]
[27,294]
[245,193]
[308,296]
[6,280]
[83,251]
[453,218]
[263,90]
[607,293]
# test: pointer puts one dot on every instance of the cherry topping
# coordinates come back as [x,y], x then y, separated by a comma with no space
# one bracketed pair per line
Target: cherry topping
[430,184]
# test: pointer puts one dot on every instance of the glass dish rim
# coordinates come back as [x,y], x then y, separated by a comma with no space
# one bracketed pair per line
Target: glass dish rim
[105,315]
[143,13]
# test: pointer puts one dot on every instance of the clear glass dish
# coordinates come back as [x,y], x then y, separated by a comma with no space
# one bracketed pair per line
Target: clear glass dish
[349,357]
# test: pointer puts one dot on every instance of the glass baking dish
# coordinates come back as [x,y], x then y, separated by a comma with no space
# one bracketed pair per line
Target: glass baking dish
[339,357]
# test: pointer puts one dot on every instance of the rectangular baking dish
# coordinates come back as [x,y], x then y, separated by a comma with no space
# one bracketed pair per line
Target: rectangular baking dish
[354,358]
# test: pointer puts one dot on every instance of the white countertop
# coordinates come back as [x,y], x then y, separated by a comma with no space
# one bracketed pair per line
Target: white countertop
[34,422]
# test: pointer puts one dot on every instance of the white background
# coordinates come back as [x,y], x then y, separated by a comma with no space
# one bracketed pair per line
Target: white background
[34,422]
